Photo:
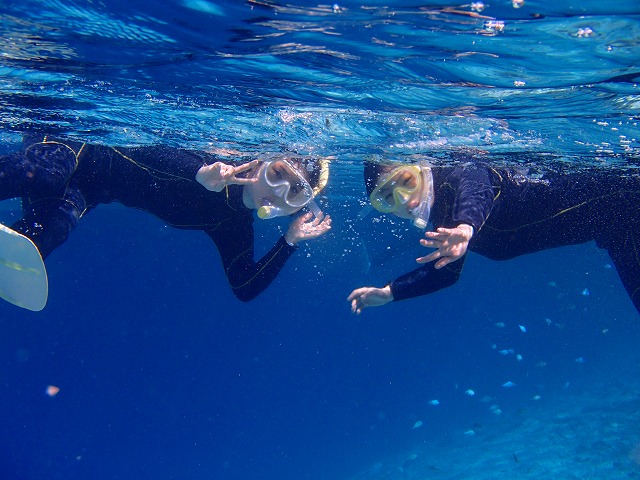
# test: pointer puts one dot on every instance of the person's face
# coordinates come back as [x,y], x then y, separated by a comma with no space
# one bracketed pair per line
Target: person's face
[399,192]
[279,185]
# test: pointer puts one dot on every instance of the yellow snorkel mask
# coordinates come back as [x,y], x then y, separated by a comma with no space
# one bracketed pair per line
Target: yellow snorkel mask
[395,189]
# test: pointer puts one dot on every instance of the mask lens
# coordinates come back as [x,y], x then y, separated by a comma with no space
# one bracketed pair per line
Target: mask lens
[396,188]
[288,183]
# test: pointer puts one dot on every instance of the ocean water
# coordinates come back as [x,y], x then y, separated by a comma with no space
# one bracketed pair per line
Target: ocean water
[163,374]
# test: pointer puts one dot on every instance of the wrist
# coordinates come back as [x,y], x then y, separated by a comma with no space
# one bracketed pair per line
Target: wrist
[468,229]
[387,291]
[289,240]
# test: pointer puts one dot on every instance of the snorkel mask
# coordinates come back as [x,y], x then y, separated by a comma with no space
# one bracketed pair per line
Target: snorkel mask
[288,187]
[396,188]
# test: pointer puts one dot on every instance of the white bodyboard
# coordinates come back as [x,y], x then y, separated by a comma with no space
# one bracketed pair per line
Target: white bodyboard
[23,277]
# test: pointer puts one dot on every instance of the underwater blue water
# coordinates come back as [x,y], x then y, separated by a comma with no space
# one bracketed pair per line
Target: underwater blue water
[163,374]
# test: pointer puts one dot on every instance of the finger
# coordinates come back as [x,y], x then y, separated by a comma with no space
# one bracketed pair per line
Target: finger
[315,221]
[428,258]
[430,243]
[443,262]
[241,181]
[246,166]
[435,236]
[354,306]
[326,220]
[356,293]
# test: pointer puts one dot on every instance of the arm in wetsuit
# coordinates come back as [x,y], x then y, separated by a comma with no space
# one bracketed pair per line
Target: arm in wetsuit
[466,196]
[235,241]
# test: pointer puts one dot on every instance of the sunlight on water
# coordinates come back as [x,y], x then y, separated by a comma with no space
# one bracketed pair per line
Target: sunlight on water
[343,79]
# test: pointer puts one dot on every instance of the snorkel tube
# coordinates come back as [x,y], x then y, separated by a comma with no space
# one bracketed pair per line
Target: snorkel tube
[269,211]
[323,178]
[422,215]
[422,212]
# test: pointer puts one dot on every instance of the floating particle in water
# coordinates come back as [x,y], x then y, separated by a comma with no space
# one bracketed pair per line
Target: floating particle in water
[541,364]
[607,265]
[584,32]
[508,384]
[517,3]
[552,284]
[585,292]
[522,328]
[494,26]
[536,397]
[519,357]
[519,83]
[469,392]
[469,433]
[418,424]
[336,8]
[495,409]
[506,351]
[548,321]
[580,360]
[52,390]
[477,6]
[435,403]
[500,325]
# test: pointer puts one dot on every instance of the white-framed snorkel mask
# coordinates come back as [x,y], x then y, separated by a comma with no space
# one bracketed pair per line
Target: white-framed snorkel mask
[396,188]
[285,189]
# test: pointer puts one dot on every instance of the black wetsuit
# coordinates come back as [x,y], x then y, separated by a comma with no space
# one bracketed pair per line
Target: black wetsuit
[515,214]
[60,181]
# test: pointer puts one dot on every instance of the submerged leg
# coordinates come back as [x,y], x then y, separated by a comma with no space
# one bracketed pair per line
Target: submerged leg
[48,222]
[40,171]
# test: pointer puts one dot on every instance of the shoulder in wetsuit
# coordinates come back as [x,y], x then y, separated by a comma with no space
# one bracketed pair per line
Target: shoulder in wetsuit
[61,181]
[515,214]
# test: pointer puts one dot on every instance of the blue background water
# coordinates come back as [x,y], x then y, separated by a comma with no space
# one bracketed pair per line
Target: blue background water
[163,373]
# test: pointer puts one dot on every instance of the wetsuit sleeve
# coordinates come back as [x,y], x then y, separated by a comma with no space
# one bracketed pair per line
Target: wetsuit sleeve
[425,280]
[474,196]
[247,277]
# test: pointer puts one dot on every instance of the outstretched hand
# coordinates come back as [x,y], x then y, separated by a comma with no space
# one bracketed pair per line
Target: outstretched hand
[450,244]
[217,176]
[364,297]
[307,227]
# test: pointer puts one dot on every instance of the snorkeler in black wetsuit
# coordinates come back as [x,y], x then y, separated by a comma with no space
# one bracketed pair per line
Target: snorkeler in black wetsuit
[502,214]
[60,181]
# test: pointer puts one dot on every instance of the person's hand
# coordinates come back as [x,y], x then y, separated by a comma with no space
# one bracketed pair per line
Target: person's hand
[364,297]
[307,227]
[217,176]
[450,244]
